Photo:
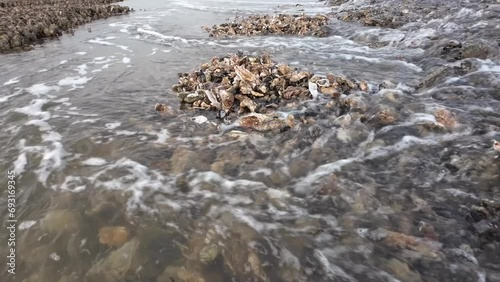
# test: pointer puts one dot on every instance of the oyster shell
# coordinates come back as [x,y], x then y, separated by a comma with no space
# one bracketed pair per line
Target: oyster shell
[247,103]
[245,75]
[227,100]
[161,107]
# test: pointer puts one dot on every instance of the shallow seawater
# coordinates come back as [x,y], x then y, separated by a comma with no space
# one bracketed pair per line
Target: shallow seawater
[110,190]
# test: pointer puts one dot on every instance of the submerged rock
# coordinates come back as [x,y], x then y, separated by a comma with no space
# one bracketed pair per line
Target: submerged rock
[412,246]
[114,236]
[60,221]
[485,220]
[446,118]
[402,271]
[118,265]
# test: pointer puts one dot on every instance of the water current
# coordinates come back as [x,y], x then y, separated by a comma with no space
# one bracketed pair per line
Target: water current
[333,199]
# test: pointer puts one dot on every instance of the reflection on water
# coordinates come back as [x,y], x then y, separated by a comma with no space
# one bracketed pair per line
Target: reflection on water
[110,190]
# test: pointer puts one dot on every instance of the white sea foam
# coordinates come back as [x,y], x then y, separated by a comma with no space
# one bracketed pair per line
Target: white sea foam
[88,120]
[137,179]
[6,98]
[126,60]
[42,125]
[226,184]
[125,132]
[12,81]
[26,224]
[74,82]
[163,135]
[458,193]
[63,100]
[304,186]
[63,62]
[20,163]
[52,159]
[71,183]
[405,143]
[81,53]
[55,256]
[94,162]
[161,36]
[153,52]
[41,89]
[103,42]
[333,271]
[35,109]
[51,136]
[101,69]
[112,125]
[200,119]
[82,69]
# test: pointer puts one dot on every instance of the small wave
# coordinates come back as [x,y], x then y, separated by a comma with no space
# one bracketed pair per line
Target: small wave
[6,98]
[161,36]
[12,81]
[103,42]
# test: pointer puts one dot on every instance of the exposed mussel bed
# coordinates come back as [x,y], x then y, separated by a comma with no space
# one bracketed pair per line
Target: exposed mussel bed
[272,172]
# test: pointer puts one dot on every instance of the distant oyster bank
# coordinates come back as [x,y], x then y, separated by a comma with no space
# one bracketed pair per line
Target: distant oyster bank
[24,23]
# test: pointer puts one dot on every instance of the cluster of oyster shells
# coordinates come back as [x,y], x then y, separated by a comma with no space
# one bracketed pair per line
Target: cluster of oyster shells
[23,22]
[256,86]
[238,83]
[273,24]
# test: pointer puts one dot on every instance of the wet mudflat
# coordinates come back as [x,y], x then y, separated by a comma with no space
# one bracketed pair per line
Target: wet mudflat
[377,164]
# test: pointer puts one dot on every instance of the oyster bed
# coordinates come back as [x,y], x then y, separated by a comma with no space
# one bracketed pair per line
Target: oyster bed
[303,25]
[218,84]
[238,84]
[25,22]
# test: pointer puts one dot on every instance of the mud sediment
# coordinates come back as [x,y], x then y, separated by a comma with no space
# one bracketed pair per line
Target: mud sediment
[24,23]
